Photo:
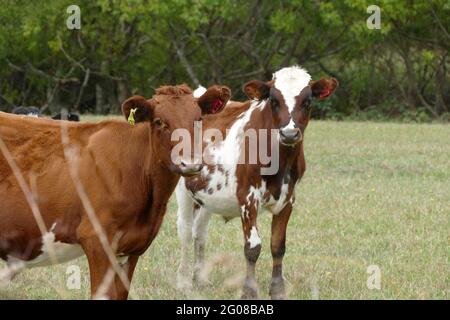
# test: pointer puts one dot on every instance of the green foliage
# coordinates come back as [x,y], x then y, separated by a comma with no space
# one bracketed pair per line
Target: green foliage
[133,46]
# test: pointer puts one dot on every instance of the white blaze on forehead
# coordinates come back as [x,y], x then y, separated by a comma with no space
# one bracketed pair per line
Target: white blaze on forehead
[291,81]
[199,91]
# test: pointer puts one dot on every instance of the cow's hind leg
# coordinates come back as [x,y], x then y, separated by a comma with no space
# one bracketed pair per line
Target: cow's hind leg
[252,248]
[278,248]
[13,267]
[185,215]
[200,230]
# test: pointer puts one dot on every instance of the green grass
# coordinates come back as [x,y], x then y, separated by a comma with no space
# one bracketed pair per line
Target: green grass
[373,194]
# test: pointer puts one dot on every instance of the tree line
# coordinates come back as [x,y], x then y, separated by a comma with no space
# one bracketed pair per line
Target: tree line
[126,47]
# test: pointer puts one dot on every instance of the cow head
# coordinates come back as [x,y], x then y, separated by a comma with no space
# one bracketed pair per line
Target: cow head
[174,107]
[289,95]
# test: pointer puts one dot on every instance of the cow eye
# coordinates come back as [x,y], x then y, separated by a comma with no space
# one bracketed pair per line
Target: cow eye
[157,121]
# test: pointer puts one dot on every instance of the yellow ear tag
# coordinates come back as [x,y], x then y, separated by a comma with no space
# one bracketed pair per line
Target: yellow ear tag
[131,117]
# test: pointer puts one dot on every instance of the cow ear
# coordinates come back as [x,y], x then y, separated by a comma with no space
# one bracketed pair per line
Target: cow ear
[323,88]
[257,90]
[214,99]
[137,109]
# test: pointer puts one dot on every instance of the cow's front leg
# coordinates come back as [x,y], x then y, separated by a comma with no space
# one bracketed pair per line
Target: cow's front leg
[278,248]
[129,266]
[100,270]
[102,274]
[252,248]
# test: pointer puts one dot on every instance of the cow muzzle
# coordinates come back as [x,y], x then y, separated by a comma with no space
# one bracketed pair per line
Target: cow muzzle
[189,169]
[290,136]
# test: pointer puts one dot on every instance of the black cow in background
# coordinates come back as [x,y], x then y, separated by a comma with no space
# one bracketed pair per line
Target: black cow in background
[68,116]
[35,112]
[29,111]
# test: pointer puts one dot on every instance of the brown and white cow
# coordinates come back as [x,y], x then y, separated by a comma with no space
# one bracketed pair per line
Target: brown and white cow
[239,189]
[125,171]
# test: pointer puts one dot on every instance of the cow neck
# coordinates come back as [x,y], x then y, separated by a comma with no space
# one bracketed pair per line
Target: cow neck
[226,118]
[262,117]
[154,168]
[156,181]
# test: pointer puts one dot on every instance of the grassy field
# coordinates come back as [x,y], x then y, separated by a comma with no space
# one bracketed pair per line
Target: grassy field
[373,194]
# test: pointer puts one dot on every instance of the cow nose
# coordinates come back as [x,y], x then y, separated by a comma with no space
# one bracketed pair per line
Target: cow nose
[190,168]
[290,136]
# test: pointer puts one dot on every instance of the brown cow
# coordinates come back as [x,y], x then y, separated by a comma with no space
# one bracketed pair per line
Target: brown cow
[234,188]
[125,171]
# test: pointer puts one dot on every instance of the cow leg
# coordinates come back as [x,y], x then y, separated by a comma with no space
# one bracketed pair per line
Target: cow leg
[129,266]
[278,248]
[201,223]
[13,267]
[252,249]
[99,269]
[185,215]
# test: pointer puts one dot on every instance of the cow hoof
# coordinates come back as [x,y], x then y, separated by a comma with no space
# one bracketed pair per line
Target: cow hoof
[280,296]
[249,293]
[277,291]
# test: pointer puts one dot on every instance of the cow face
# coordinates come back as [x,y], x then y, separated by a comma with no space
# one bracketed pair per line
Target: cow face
[171,108]
[289,95]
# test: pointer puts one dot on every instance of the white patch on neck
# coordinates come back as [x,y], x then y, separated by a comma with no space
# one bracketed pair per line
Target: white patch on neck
[232,146]
[254,239]
[199,91]
[291,81]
